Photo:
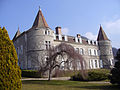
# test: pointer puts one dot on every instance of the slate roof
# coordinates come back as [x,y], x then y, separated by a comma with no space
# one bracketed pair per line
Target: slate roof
[40,21]
[102,35]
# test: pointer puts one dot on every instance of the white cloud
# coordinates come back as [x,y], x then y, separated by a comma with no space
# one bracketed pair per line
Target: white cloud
[91,36]
[112,27]
[65,31]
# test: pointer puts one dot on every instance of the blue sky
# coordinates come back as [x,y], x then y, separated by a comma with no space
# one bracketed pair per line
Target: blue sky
[74,16]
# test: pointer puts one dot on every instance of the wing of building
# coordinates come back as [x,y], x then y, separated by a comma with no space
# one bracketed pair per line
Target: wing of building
[31,45]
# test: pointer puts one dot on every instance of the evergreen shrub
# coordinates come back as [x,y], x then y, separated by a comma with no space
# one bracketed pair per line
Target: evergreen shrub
[10,73]
[115,72]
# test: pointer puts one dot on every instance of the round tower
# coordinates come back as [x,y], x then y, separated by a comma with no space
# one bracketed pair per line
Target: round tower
[105,48]
[39,39]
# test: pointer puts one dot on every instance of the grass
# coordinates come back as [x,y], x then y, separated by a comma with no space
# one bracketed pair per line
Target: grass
[66,85]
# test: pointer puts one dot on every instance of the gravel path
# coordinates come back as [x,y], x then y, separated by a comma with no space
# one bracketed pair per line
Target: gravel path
[62,78]
[58,78]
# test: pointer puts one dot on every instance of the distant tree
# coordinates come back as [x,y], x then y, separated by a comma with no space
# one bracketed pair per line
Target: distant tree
[10,73]
[62,50]
[115,78]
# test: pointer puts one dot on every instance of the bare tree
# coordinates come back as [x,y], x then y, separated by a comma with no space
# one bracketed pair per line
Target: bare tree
[61,50]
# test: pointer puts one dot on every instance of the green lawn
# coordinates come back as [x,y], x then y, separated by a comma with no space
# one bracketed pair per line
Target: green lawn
[66,85]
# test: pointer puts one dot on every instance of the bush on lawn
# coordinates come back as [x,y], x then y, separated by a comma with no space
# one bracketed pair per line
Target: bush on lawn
[115,72]
[10,73]
[31,73]
[93,75]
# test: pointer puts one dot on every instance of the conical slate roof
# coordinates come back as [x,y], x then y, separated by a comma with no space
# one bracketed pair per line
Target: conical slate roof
[17,34]
[102,35]
[40,21]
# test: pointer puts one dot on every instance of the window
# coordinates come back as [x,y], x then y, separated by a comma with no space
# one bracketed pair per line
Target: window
[110,51]
[77,50]
[95,63]
[101,64]
[95,52]
[111,62]
[47,44]
[89,52]
[63,38]
[46,32]
[57,37]
[81,51]
[91,62]
[29,64]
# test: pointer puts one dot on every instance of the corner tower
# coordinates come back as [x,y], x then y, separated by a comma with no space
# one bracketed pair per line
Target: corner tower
[39,39]
[106,55]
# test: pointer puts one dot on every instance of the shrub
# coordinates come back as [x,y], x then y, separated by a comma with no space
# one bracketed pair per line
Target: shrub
[93,75]
[10,73]
[115,72]
[31,73]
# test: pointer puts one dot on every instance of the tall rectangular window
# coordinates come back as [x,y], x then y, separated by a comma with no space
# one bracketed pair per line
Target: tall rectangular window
[89,52]
[81,51]
[77,50]
[95,63]
[47,44]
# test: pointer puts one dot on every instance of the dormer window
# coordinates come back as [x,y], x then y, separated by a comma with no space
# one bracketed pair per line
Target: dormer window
[63,38]
[46,32]
[57,37]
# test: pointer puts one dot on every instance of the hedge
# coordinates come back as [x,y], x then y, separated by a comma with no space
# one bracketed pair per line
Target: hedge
[31,73]
[93,75]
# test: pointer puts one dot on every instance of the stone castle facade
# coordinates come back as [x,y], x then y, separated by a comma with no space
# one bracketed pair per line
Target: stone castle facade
[31,45]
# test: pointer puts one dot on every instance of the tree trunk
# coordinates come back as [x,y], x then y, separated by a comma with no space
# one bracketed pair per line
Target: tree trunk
[49,75]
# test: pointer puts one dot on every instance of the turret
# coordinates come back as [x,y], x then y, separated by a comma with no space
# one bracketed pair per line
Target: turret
[105,48]
[39,39]
[17,34]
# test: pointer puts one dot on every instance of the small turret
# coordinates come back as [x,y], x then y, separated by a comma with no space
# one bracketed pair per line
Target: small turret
[17,34]
[105,48]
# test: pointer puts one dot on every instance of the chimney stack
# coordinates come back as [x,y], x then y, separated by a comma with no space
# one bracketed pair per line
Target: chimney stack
[58,30]
[78,35]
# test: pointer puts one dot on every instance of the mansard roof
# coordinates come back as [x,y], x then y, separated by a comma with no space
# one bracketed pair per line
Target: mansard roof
[102,35]
[40,21]
[17,34]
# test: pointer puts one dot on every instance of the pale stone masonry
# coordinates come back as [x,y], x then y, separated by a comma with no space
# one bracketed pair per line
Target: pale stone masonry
[32,45]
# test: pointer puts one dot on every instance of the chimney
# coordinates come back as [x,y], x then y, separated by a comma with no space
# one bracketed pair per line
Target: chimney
[58,30]
[78,36]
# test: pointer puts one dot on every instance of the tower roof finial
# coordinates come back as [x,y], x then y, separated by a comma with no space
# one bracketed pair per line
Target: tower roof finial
[40,21]
[39,8]
[18,28]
